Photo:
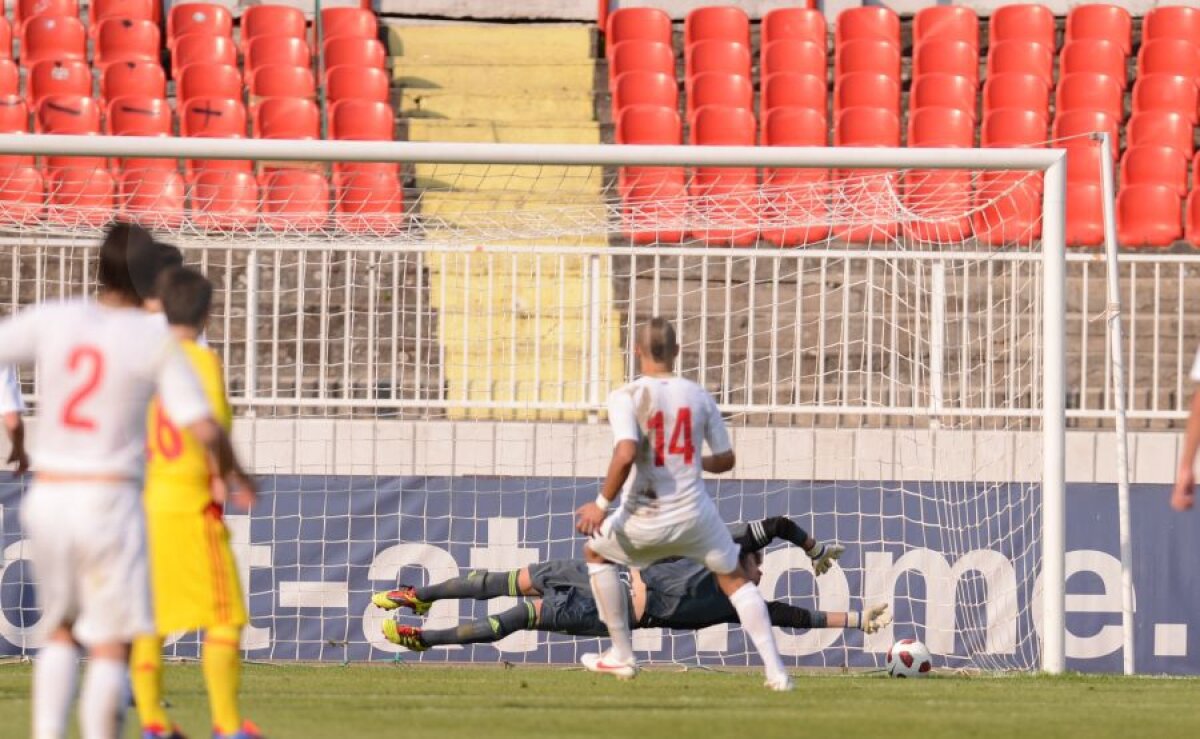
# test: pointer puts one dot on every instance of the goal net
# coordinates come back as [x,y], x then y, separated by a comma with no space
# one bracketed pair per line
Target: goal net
[419,341]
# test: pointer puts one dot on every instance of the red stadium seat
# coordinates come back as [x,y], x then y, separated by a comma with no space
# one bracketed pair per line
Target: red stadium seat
[937,204]
[1010,127]
[1166,129]
[648,124]
[946,57]
[205,18]
[1155,165]
[134,115]
[1085,214]
[360,52]
[1191,216]
[24,10]
[22,192]
[1083,160]
[278,50]
[70,77]
[1149,215]
[276,80]
[635,56]
[102,10]
[1172,22]
[368,200]
[355,22]
[202,48]
[1025,91]
[1095,56]
[68,114]
[52,37]
[795,126]
[864,55]
[725,198]
[209,80]
[127,40]
[803,57]
[223,199]
[6,38]
[795,201]
[726,23]
[717,56]
[363,83]
[1022,57]
[133,78]
[80,194]
[1082,123]
[865,90]
[260,21]
[14,116]
[1009,208]
[286,118]
[645,88]
[1168,56]
[637,24]
[942,91]
[10,78]
[941,127]
[153,197]
[362,120]
[867,22]
[1106,22]
[294,198]
[866,127]
[714,88]
[213,117]
[945,23]
[1022,23]
[1166,92]
[654,197]
[793,24]
[788,89]
[1084,91]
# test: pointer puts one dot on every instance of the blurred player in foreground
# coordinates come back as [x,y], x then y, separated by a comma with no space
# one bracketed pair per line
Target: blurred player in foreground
[11,408]
[673,594]
[660,422]
[192,571]
[1183,496]
[100,362]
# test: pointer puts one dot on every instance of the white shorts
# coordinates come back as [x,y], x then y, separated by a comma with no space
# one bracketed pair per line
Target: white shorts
[88,545]
[638,541]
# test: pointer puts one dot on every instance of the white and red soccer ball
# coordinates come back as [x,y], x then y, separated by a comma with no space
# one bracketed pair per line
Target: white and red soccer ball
[909,658]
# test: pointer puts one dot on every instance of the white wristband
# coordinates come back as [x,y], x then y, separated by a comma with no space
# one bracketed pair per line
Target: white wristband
[602,503]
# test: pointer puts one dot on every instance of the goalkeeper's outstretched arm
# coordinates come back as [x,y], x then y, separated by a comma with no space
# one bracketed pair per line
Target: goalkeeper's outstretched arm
[756,535]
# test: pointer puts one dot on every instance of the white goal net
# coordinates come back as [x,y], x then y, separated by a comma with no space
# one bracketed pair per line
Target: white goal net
[419,347]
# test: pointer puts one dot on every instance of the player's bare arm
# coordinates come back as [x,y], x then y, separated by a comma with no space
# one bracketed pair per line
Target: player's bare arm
[716,464]
[1183,496]
[590,515]
[209,433]
[14,427]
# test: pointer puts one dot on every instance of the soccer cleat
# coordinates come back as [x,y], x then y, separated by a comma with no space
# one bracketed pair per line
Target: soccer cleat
[875,618]
[601,663]
[408,637]
[248,731]
[780,683]
[830,553]
[405,597]
[159,732]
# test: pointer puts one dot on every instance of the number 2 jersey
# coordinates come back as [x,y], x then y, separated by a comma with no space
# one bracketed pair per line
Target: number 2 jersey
[670,419]
[98,368]
[177,467]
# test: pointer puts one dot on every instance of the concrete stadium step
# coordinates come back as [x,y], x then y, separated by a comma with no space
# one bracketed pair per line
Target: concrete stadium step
[509,178]
[493,43]
[488,77]
[484,130]
[502,106]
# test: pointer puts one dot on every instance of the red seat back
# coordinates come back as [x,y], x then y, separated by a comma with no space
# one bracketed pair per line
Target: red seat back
[101,10]
[867,55]
[795,126]
[727,23]
[202,48]
[365,83]
[793,24]
[294,198]
[790,89]
[645,88]
[209,80]
[867,22]
[278,50]
[66,77]
[1155,165]
[134,115]
[355,22]
[1095,56]
[1022,57]
[361,52]
[1086,91]
[1172,22]
[1013,127]
[1016,90]
[716,88]
[127,40]
[942,91]
[1166,92]
[277,80]
[362,120]
[1157,127]
[1022,23]
[864,90]
[1106,22]
[223,199]
[786,55]
[639,56]
[941,127]
[205,18]
[718,56]
[261,21]
[649,124]
[866,127]
[52,37]
[287,118]
[637,24]
[133,78]
[946,57]
[213,117]
[945,23]
[10,77]
[1149,215]
[1168,56]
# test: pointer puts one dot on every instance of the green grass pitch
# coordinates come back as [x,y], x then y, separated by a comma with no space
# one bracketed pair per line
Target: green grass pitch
[434,701]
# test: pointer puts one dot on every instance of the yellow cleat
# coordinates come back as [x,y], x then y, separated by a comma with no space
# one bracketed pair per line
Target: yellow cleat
[405,597]
[408,637]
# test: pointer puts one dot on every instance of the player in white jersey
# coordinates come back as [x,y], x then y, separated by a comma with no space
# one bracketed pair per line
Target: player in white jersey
[1183,497]
[660,422]
[11,408]
[100,363]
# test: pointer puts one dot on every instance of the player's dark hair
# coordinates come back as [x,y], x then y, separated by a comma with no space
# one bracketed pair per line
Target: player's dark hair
[169,257]
[186,297]
[657,340]
[128,261]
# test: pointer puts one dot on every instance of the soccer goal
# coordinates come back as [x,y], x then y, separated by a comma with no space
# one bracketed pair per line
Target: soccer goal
[420,368]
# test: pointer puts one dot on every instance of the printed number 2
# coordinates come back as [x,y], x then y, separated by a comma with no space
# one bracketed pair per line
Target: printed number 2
[88,362]
[681,437]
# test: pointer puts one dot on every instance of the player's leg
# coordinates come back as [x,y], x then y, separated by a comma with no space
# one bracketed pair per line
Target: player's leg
[221,662]
[101,696]
[475,585]
[612,601]
[521,617]
[55,676]
[145,668]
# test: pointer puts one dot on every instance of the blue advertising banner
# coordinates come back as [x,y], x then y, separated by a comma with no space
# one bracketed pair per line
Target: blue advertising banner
[316,547]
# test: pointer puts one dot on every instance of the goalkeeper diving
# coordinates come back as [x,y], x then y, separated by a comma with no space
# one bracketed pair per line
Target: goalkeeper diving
[674,593]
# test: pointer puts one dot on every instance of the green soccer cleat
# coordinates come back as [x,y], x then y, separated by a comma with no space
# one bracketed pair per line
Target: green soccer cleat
[408,637]
[405,597]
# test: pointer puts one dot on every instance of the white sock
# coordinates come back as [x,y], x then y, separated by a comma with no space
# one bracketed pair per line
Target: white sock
[756,621]
[55,673]
[100,700]
[611,601]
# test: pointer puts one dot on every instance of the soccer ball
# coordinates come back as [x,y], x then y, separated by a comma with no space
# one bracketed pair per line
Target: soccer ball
[909,658]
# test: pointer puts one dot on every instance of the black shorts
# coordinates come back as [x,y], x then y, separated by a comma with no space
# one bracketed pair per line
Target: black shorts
[570,610]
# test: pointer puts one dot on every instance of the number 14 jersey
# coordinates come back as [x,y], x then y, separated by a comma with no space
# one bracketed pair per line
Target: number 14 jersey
[669,418]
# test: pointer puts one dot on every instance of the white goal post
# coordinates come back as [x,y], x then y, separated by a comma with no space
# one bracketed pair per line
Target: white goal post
[928,280]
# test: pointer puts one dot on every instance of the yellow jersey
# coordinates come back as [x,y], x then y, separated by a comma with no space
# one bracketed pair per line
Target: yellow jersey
[178,475]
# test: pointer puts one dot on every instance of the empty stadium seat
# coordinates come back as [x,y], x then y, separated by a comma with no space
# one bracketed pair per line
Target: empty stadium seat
[24,10]
[867,55]
[794,126]
[1022,57]
[294,198]
[278,50]
[1085,214]
[127,40]
[1106,22]
[355,22]
[654,198]
[133,78]
[635,56]
[941,127]
[715,88]
[937,204]
[14,116]
[1166,92]
[645,88]
[637,24]
[803,57]
[102,10]
[69,77]
[361,52]
[1082,123]
[717,56]
[68,114]
[725,198]
[946,57]
[1149,215]
[223,199]
[1162,128]
[1095,56]
[1022,23]
[286,118]
[789,89]
[262,21]
[726,23]
[864,89]
[80,194]
[368,200]
[365,83]
[10,78]
[212,117]
[795,201]
[1191,216]
[648,124]
[361,120]
[155,197]
[135,115]
[867,22]
[1083,160]
[1084,91]
[52,37]
[202,48]
[1155,165]
[277,80]
[6,38]
[1168,56]
[1015,90]
[1009,208]
[945,23]
[1172,22]
[209,80]
[1013,127]
[793,24]
[205,18]
[866,127]
[942,90]
[22,192]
